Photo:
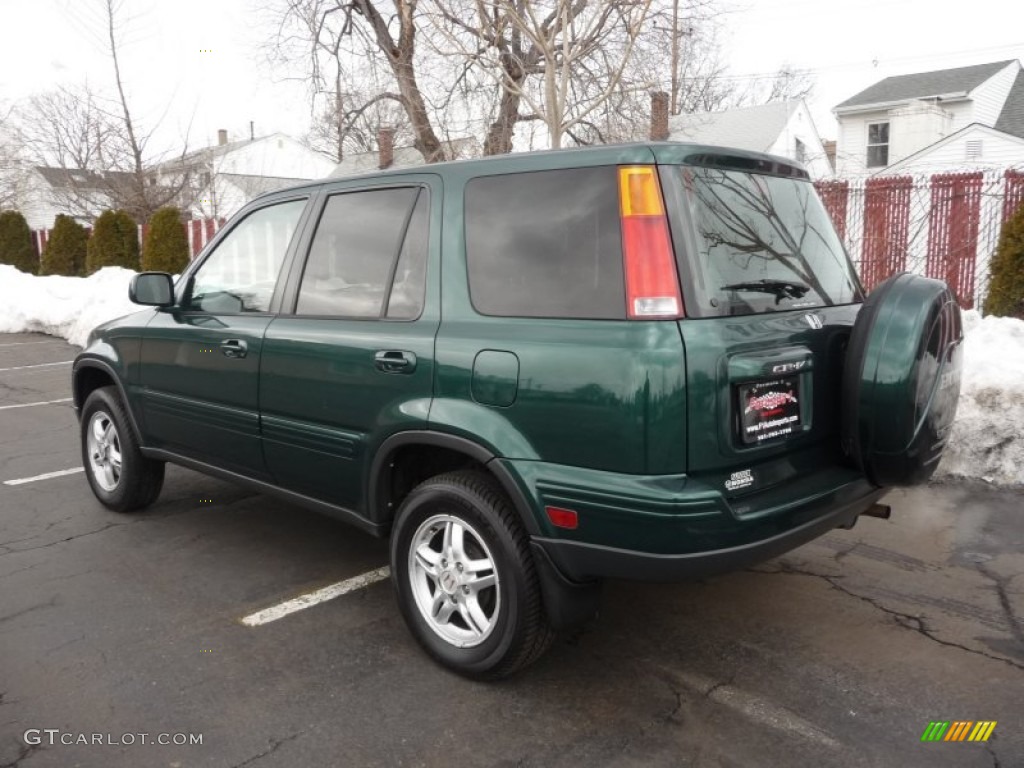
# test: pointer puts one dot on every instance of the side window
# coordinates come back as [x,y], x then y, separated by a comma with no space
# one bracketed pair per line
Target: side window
[406,301]
[546,244]
[240,275]
[353,258]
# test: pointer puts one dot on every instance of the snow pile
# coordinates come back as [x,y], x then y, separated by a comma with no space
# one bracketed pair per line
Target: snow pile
[68,307]
[988,435]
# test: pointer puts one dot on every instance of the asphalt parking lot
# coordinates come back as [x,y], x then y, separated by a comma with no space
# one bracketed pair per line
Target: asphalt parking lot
[838,654]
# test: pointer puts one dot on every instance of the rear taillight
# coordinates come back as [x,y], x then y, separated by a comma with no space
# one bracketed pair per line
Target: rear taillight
[652,284]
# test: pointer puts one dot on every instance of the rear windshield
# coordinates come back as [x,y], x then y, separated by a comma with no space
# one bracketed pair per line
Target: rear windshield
[762,244]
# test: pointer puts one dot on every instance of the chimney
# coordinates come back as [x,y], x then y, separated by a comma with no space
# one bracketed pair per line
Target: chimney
[222,137]
[386,147]
[659,116]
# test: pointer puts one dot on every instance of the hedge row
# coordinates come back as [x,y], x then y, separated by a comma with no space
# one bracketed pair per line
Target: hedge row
[114,242]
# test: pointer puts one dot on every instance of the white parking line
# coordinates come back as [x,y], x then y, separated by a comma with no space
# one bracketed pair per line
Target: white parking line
[38,365]
[47,476]
[30,405]
[26,343]
[279,611]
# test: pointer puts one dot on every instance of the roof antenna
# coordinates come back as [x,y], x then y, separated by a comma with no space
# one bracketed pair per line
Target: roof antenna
[252,130]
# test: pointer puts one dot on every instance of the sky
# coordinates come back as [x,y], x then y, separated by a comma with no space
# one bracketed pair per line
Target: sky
[194,66]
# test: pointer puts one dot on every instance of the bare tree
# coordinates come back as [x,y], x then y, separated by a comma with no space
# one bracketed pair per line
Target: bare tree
[688,31]
[12,161]
[363,56]
[337,131]
[582,69]
[786,84]
[679,51]
[790,83]
[68,127]
[69,132]
[563,59]
[99,144]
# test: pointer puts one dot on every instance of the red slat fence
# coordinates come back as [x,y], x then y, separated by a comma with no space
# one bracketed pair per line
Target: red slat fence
[886,228]
[835,194]
[953,232]
[943,225]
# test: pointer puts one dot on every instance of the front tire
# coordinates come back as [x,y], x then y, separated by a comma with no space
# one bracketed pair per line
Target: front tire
[465,578]
[120,476]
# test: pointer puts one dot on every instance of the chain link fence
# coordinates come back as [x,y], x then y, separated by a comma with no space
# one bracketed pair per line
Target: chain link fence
[942,225]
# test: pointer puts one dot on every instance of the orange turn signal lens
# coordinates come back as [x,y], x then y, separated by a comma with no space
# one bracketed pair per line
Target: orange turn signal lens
[639,194]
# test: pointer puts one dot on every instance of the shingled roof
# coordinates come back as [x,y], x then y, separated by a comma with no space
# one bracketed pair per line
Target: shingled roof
[84,179]
[924,85]
[1011,119]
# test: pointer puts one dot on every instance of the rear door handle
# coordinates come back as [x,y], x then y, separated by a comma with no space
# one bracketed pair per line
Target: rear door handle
[234,348]
[394,361]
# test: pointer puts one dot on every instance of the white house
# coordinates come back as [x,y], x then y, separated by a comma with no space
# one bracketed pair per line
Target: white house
[227,175]
[969,117]
[43,192]
[782,128]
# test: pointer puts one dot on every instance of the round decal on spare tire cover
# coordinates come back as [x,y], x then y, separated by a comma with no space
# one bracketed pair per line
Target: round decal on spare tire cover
[901,382]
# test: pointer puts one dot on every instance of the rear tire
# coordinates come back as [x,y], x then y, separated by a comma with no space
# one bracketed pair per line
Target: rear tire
[466,582]
[120,476]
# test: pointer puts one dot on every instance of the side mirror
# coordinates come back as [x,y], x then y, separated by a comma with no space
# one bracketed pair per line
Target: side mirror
[152,289]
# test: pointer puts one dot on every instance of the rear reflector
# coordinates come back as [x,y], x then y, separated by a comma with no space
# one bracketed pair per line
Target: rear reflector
[652,284]
[562,518]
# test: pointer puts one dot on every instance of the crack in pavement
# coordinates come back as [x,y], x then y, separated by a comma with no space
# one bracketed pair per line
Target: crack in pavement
[52,602]
[716,686]
[993,755]
[841,553]
[26,751]
[1000,583]
[670,716]
[275,744]
[905,620]
[11,551]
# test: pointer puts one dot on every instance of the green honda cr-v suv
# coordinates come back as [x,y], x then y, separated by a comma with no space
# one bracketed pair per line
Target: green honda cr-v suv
[533,373]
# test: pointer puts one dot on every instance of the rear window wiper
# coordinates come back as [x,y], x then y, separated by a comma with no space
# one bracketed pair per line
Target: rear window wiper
[783,289]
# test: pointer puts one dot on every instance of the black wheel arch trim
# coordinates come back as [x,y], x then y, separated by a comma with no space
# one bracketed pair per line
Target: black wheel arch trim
[78,400]
[379,477]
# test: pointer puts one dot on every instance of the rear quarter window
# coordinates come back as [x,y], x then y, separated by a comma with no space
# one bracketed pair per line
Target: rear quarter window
[545,244]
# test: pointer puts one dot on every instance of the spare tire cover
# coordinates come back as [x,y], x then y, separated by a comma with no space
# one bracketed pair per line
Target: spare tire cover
[901,380]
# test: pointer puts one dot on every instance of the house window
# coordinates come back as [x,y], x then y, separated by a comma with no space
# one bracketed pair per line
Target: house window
[799,151]
[878,145]
[974,149]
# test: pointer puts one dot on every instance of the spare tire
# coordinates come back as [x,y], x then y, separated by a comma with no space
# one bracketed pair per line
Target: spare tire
[901,380]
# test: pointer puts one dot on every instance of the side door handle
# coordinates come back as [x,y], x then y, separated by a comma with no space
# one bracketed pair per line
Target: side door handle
[394,361]
[234,348]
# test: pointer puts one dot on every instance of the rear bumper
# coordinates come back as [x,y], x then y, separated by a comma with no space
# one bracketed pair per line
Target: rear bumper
[582,562]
